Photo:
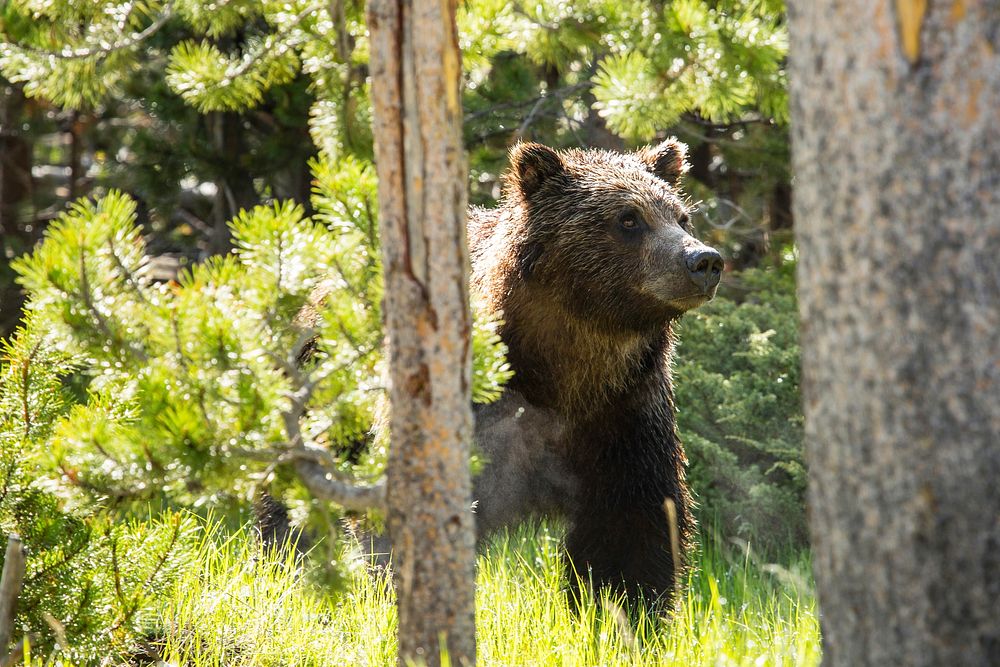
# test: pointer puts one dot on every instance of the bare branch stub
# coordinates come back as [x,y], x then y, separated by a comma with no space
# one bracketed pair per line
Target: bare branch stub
[10,589]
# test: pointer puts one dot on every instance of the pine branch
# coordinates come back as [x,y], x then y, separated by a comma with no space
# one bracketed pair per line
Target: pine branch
[133,607]
[102,51]
[115,569]
[354,497]
[25,380]
[269,43]
[314,466]
[130,278]
[102,322]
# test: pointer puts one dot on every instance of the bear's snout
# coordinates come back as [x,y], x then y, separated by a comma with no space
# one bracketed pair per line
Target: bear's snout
[704,267]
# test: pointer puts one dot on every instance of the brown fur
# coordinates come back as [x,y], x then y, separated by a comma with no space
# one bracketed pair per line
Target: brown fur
[586,428]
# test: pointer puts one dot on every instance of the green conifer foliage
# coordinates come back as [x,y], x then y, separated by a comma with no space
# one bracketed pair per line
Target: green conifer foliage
[737,385]
[89,582]
[647,63]
[193,389]
[187,392]
[721,60]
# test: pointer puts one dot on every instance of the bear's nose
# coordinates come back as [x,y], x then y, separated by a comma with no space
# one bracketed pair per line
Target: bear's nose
[705,268]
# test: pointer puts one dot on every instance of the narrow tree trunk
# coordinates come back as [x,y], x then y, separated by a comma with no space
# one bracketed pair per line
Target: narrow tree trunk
[896,155]
[15,157]
[16,188]
[418,149]
[75,154]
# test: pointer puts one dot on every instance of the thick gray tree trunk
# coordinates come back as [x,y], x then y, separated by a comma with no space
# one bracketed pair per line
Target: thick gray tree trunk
[896,156]
[415,71]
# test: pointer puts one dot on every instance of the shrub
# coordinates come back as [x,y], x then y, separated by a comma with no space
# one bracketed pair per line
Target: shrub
[89,582]
[739,412]
[123,396]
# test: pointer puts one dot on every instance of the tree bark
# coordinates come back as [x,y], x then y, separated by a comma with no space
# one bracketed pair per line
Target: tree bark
[10,589]
[422,179]
[16,187]
[896,156]
[15,157]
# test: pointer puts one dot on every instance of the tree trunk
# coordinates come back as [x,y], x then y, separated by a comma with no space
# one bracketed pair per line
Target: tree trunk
[896,156]
[422,179]
[15,157]
[75,131]
[16,189]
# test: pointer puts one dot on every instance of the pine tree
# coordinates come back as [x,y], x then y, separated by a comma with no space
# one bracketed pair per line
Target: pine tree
[89,582]
[190,392]
[194,387]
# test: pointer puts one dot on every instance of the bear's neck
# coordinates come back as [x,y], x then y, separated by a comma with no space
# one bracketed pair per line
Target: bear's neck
[566,364]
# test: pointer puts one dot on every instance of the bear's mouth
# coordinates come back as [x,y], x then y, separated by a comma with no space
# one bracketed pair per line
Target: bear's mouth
[692,300]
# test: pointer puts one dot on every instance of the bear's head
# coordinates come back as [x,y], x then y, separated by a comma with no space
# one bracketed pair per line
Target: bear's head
[609,234]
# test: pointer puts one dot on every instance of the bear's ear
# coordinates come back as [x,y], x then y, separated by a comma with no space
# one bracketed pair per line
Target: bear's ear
[667,160]
[531,165]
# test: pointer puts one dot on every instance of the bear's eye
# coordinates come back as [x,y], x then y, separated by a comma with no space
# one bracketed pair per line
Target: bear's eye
[684,221]
[630,221]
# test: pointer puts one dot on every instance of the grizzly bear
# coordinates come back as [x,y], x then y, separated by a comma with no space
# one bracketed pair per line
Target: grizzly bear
[589,260]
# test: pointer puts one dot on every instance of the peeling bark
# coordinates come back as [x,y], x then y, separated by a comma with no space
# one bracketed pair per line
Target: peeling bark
[422,199]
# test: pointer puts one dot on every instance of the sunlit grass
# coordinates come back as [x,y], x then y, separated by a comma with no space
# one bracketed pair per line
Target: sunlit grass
[242,609]
[238,609]
[734,613]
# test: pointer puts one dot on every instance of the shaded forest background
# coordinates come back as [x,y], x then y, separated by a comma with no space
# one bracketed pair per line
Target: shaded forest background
[160,120]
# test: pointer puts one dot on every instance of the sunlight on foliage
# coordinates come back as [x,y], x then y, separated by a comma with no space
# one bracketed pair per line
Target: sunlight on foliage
[73,53]
[87,576]
[259,611]
[219,17]
[719,61]
[212,81]
[187,385]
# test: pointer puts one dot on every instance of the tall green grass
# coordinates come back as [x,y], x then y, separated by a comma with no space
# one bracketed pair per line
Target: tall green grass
[237,608]
[735,612]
